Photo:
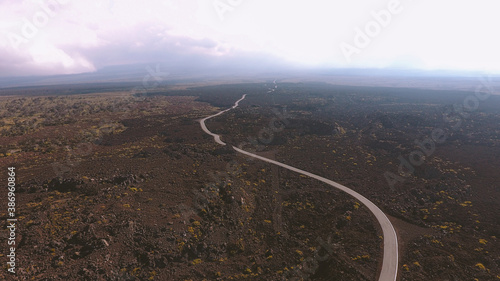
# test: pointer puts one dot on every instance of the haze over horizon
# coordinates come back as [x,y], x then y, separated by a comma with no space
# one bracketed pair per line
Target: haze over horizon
[53,37]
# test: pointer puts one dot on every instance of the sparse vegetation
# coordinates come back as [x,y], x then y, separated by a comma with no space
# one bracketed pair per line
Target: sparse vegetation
[141,185]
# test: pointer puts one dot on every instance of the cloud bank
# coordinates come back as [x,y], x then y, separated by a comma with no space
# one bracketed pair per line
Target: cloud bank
[48,37]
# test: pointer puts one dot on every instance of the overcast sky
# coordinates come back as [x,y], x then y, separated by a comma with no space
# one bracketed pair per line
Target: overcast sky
[74,36]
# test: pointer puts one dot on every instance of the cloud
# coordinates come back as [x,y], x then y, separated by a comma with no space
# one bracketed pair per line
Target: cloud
[97,37]
[142,43]
[72,36]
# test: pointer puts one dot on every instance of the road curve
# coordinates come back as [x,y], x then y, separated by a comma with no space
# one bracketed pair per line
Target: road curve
[204,127]
[389,270]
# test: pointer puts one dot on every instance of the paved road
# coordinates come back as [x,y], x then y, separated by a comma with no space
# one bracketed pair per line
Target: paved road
[390,260]
[204,127]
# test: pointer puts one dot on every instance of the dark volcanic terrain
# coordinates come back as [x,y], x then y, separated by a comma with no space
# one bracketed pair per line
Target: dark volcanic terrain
[113,186]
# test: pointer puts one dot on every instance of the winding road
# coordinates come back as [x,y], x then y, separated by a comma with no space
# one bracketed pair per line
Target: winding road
[204,127]
[389,270]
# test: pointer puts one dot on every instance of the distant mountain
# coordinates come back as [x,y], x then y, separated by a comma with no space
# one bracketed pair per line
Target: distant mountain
[162,72]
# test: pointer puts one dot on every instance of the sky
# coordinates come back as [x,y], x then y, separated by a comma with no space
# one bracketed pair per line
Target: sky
[47,37]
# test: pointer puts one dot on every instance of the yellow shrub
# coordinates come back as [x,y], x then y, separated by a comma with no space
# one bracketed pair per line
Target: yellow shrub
[480,266]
